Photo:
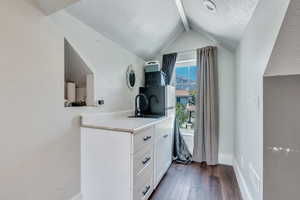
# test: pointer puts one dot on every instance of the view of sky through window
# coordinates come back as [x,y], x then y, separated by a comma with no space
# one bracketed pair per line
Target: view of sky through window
[186,78]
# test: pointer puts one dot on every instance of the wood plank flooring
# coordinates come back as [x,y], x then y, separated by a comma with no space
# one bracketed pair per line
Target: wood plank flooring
[198,182]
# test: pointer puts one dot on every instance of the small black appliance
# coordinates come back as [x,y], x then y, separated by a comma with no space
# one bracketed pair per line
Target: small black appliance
[156,104]
[155,79]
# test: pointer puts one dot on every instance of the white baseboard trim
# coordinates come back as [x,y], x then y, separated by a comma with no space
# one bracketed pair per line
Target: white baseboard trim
[77,197]
[225,159]
[241,181]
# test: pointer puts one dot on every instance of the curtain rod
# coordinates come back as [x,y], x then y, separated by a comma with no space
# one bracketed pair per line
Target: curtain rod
[185,51]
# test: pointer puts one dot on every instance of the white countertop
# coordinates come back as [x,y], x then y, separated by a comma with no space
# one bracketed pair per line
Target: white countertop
[119,123]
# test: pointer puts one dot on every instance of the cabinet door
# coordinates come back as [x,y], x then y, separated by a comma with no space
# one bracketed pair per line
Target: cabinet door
[167,152]
[159,160]
[163,149]
[100,178]
[168,136]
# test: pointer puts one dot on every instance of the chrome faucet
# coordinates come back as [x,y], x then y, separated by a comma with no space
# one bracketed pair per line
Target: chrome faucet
[137,108]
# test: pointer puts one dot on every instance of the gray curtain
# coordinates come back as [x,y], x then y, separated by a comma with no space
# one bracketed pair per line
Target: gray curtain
[206,139]
[168,64]
[181,153]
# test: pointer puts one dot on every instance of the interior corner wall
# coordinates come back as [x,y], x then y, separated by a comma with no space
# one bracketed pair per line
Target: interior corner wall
[282,112]
[252,58]
[40,139]
[285,58]
[226,61]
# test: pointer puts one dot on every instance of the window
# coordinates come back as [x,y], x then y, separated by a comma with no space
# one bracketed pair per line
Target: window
[186,91]
[186,78]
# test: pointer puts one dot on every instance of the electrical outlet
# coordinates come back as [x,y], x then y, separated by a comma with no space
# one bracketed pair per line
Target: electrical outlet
[101,102]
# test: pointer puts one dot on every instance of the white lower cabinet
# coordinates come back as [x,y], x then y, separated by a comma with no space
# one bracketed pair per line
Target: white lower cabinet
[163,148]
[124,166]
[144,184]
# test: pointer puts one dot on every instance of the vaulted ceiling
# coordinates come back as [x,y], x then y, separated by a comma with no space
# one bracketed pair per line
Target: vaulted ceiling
[145,27]
[51,6]
[227,24]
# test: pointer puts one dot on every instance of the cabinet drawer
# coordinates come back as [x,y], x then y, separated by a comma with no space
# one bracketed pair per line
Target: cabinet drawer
[164,129]
[142,139]
[144,185]
[142,160]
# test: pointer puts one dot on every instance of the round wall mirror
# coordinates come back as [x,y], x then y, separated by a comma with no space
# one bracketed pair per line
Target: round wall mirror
[130,76]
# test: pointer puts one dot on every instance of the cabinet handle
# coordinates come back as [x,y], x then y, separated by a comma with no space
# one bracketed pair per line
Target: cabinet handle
[147,138]
[146,190]
[146,160]
[165,136]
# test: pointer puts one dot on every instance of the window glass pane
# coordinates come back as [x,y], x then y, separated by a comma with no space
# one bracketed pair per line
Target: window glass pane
[186,89]
[182,74]
[193,73]
[186,78]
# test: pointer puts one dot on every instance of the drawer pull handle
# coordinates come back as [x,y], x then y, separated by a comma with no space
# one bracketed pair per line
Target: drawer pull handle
[146,160]
[165,136]
[146,190]
[147,138]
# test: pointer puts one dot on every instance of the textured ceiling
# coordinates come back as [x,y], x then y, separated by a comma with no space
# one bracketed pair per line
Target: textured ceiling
[227,24]
[51,6]
[145,27]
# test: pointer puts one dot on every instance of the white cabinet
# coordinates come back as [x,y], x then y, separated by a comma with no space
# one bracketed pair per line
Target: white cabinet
[105,164]
[122,165]
[162,149]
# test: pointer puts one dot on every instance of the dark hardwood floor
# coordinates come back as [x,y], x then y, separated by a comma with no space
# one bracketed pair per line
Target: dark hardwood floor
[198,182]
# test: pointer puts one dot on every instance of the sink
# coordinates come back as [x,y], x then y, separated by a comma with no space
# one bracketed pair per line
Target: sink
[147,116]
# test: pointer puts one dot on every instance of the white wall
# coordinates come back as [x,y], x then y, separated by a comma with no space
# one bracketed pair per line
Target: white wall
[252,58]
[108,60]
[40,141]
[285,57]
[195,40]
[281,111]
[281,129]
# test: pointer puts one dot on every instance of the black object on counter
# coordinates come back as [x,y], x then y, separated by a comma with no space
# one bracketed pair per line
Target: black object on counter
[153,79]
[78,104]
[156,104]
[101,102]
